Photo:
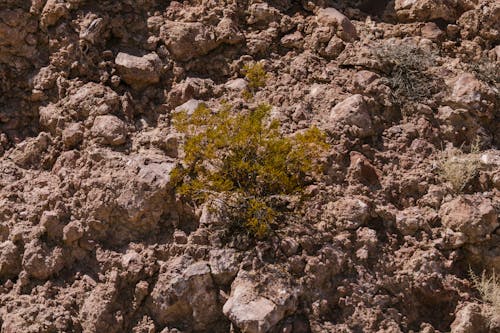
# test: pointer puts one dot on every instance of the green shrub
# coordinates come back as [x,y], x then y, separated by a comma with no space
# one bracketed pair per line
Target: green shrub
[256,76]
[244,157]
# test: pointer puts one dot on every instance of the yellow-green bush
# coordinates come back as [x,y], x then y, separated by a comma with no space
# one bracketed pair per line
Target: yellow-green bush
[256,76]
[244,155]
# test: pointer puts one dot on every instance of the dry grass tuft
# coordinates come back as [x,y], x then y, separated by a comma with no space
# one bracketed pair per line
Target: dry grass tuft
[489,288]
[458,168]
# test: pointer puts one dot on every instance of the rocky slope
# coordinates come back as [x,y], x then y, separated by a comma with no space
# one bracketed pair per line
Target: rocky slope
[92,238]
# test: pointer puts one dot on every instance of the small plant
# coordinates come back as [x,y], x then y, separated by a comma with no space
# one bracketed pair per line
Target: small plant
[407,71]
[459,168]
[256,76]
[489,289]
[486,71]
[244,159]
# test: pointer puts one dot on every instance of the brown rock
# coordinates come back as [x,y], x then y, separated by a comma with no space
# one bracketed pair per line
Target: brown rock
[332,17]
[139,72]
[10,260]
[472,215]
[109,130]
[353,111]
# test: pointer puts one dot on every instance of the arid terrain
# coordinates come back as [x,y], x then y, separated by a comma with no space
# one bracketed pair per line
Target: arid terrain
[392,236]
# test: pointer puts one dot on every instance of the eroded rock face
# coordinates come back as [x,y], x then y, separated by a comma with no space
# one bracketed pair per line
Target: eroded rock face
[93,237]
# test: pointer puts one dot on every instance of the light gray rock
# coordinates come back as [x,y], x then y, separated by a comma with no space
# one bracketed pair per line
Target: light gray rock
[139,71]
[253,312]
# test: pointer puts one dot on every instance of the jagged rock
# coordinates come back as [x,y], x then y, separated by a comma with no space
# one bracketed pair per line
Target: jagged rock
[333,18]
[139,72]
[10,260]
[109,130]
[428,10]
[254,313]
[41,262]
[472,215]
[72,135]
[353,111]
[96,313]
[469,319]
[348,212]
[471,94]
[223,265]
[52,12]
[188,40]
[185,294]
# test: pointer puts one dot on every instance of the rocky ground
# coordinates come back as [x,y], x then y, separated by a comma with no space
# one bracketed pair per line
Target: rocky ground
[92,238]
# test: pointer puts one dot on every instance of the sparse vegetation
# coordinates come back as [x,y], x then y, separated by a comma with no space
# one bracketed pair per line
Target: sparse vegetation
[407,70]
[244,157]
[486,71]
[489,289]
[256,76]
[458,168]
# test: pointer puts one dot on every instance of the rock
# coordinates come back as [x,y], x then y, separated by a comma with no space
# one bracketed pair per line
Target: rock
[185,294]
[334,48]
[72,232]
[139,72]
[347,212]
[188,40]
[469,319]
[10,260]
[227,32]
[472,215]
[72,135]
[236,84]
[353,111]
[96,313]
[109,130]
[52,12]
[432,32]
[413,219]
[293,41]
[333,18]
[426,10]
[223,265]
[41,262]
[254,313]
[469,93]
[189,107]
